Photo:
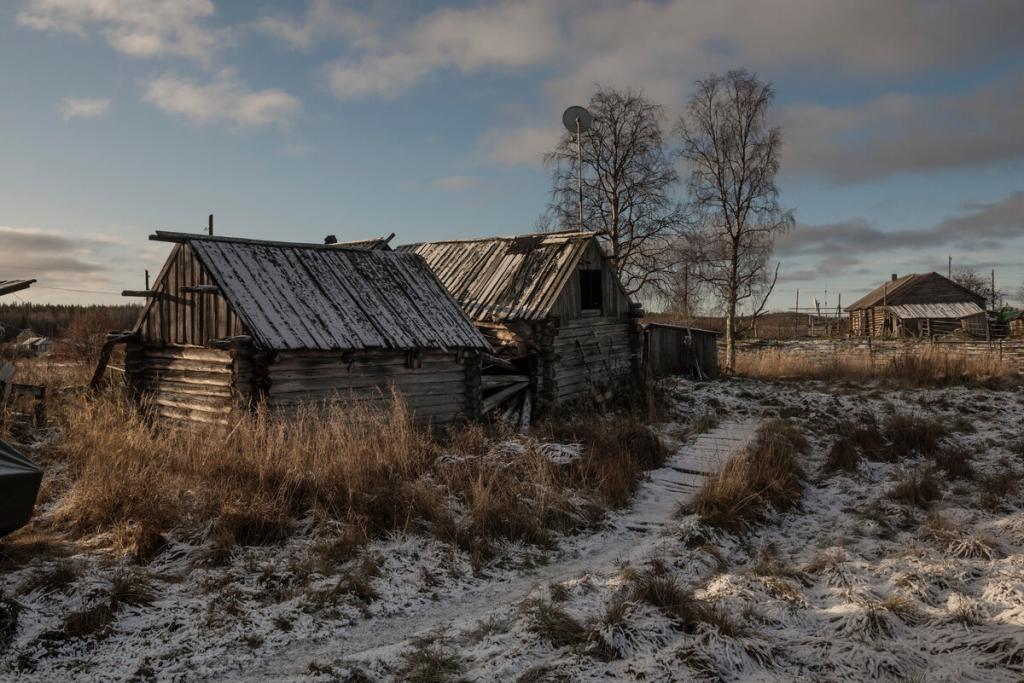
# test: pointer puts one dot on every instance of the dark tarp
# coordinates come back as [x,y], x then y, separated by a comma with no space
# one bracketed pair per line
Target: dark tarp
[19,484]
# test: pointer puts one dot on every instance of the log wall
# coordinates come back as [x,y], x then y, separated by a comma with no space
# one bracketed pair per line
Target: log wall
[184,383]
[435,385]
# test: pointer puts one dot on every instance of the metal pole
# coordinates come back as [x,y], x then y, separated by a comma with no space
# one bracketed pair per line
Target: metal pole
[579,167]
[796,317]
[949,268]
[147,279]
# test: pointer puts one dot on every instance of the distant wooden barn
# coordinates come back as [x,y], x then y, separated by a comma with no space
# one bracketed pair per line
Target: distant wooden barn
[918,305]
[679,350]
[230,322]
[552,307]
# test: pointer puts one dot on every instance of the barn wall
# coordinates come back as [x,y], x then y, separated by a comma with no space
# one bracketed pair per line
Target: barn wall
[614,301]
[670,350]
[186,383]
[439,390]
[589,354]
[176,317]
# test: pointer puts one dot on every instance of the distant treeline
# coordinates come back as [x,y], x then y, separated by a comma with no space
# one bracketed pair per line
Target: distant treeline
[52,319]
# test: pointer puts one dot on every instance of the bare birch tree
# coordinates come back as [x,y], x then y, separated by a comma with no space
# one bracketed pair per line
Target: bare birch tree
[733,213]
[627,181]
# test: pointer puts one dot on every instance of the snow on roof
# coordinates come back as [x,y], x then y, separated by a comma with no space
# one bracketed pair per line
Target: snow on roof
[954,311]
[293,296]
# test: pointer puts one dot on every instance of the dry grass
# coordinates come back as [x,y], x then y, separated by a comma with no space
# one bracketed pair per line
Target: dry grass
[373,470]
[909,435]
[923,366]
[767,475]
[919,488]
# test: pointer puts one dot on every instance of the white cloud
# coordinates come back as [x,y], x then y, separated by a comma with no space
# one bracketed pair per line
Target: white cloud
[224,100]
[83,107]
[505,35]
[323,19]
[519,146]
[661,47]
[898,133]
[139,28]
[456,183]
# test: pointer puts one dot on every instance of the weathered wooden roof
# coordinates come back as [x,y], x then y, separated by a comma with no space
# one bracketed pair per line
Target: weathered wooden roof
[312,296]
[927,287]
[954,311]
[9,286]
[500,279]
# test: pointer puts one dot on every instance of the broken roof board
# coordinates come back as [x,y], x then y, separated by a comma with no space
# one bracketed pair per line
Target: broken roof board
[10,286]
[317,297]
[506,278]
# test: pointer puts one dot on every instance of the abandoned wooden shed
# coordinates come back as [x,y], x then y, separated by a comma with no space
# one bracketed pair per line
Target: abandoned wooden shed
[918,305]
[552,307]
[230,322]
[679,350]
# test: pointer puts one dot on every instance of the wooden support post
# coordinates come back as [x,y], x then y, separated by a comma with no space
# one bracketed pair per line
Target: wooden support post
[796,318]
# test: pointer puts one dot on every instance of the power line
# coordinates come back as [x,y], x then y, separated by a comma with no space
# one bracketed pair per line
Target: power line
[77,291]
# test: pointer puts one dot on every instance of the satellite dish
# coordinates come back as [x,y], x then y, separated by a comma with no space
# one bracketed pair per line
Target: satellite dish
[576,119]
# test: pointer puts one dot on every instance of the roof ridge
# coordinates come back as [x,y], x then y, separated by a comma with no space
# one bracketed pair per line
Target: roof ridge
[559,233]
[170,236]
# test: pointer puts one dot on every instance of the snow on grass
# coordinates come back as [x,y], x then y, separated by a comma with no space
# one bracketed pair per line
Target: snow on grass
[853,584]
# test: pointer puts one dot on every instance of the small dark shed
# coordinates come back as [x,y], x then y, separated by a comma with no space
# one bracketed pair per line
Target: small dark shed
[552,307]
[19,477]
[679,350]
[233,321]
[918,305]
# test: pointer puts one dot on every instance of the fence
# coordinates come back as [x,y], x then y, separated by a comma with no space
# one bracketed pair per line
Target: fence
[1010,351]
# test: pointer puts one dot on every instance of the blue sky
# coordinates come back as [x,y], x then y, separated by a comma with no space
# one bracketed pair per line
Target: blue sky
[291,120]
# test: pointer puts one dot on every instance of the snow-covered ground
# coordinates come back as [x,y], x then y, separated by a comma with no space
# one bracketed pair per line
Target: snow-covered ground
[854,586]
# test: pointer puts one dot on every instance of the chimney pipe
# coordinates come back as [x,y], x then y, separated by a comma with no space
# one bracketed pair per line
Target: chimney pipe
[894,277]
[210,228]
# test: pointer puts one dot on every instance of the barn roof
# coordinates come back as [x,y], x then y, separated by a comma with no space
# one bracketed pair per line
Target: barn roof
[293,296]
[891,289]
[505,278]
[9,286]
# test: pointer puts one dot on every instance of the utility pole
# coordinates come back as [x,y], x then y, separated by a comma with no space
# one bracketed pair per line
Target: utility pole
[796,316]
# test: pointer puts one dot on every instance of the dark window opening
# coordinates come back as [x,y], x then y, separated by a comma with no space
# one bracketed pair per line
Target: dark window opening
[590,290]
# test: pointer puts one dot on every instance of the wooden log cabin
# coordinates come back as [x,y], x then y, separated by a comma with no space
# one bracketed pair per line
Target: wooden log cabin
[918,305]
[230,322]
[551,305]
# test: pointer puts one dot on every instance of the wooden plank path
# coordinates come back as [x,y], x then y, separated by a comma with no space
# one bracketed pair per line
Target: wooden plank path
[684,473]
